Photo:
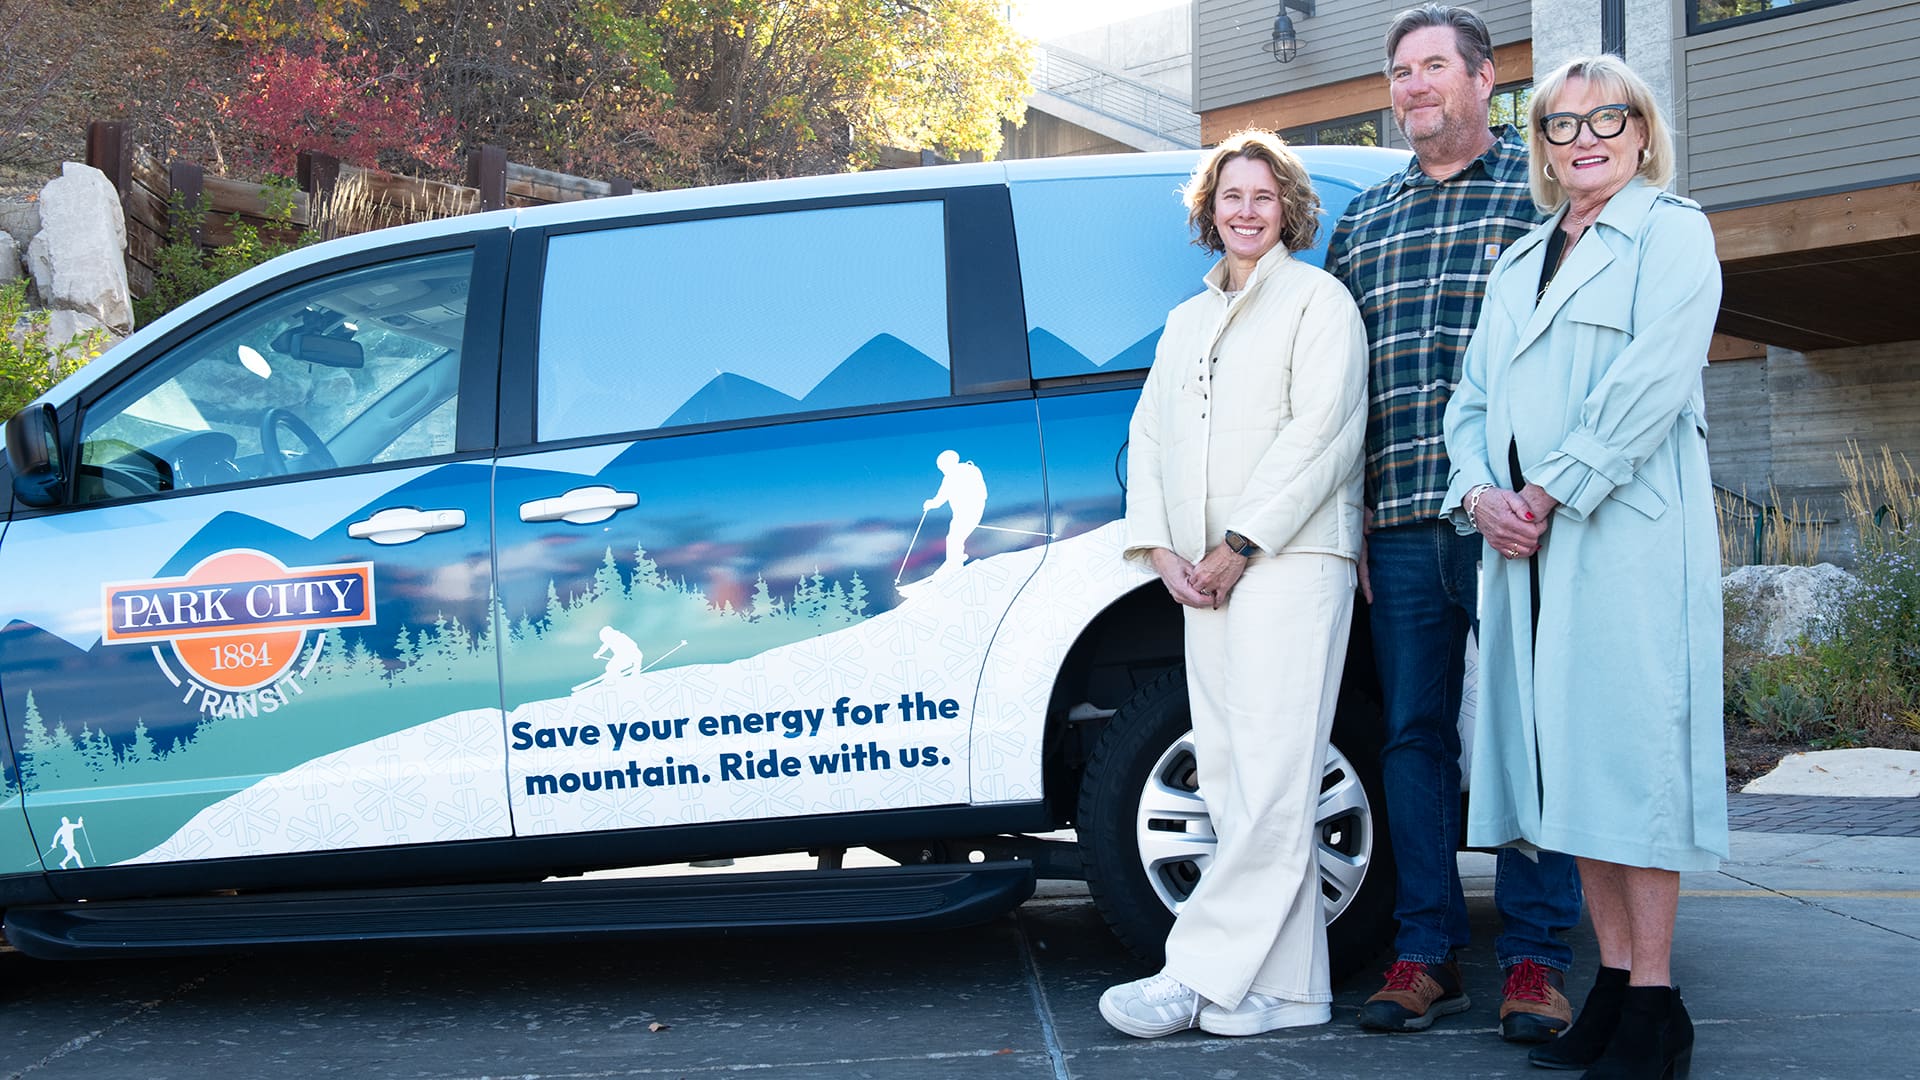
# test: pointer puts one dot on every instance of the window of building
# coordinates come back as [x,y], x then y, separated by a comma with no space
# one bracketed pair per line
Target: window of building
[1510,105]
[1715,14]
[1362,130]
[698,322]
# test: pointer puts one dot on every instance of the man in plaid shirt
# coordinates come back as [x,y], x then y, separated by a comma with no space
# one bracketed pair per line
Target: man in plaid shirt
[1416,250]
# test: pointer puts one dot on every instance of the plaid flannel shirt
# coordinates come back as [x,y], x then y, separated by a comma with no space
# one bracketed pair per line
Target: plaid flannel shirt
[1416,253]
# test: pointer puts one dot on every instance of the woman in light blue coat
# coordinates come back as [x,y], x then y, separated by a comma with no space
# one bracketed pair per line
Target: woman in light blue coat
[1578,443]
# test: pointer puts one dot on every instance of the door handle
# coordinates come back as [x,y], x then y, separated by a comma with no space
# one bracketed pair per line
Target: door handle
[404,524]
[581,506]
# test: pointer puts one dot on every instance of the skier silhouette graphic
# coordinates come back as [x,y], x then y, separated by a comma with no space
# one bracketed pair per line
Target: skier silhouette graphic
[964,490]
[622,654]
[63,837]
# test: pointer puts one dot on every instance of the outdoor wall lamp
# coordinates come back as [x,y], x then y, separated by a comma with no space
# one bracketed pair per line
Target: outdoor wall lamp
[1284,44]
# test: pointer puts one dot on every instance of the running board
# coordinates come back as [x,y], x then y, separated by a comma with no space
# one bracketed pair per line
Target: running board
[904,896]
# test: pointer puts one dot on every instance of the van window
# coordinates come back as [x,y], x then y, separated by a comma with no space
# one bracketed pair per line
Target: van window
[353,369]
[697,322]
[1102,262]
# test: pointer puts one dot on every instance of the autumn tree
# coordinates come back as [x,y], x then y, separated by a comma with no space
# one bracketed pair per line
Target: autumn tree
[671,92]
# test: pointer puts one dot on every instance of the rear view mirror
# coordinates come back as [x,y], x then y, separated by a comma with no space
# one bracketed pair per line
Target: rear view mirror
[33,451]
[326,351]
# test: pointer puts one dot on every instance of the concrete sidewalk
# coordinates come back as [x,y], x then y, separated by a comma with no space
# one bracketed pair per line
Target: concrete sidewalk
[1790,957]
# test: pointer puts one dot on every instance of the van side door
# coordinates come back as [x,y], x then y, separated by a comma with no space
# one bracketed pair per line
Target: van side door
[778,482]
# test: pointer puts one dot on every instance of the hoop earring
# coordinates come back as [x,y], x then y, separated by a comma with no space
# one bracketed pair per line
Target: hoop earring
[1549,171]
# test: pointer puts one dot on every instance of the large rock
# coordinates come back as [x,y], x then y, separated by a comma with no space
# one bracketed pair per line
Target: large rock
[19,219]
[9,258]
[1778,605]
[64,326]
[78,258]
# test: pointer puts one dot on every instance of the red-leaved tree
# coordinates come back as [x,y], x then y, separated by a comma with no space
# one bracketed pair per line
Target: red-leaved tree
[350,105]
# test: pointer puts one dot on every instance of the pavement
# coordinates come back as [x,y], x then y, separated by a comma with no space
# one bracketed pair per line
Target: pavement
[1793,957]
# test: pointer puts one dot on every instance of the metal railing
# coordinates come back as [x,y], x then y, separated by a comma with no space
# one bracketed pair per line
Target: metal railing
[1115,94]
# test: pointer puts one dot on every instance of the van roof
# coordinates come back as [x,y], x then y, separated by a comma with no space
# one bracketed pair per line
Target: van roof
[1357,167]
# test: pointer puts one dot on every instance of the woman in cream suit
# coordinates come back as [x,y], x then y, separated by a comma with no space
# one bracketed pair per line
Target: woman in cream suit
[1243,494]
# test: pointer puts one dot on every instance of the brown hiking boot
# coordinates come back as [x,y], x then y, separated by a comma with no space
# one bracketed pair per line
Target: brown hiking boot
[1532,1008]
[1414,995]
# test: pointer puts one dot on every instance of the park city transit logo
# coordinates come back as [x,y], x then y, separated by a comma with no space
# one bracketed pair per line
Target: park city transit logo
[237,625]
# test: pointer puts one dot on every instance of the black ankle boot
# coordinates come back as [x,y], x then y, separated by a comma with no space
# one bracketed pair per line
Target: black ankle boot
[1586,1038]
[1654,1040]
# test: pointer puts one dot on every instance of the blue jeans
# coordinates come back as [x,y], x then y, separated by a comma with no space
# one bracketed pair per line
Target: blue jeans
[1425,602]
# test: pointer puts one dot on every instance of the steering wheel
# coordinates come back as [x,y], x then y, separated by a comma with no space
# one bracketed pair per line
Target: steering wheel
[316,454]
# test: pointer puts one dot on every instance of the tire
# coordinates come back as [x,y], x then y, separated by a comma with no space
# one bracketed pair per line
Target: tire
[1146,838]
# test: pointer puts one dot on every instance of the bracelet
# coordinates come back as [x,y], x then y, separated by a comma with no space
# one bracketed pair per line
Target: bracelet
[1473,503]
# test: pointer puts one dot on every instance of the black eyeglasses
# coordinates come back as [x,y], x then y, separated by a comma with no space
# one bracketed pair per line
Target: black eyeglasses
[1605,122]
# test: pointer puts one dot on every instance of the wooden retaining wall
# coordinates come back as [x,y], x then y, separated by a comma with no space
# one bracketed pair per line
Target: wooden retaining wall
[149,186]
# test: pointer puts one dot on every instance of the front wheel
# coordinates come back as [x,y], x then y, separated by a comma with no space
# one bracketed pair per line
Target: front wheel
[1147,839]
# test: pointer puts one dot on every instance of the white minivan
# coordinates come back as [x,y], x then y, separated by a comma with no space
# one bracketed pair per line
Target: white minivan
[390,586]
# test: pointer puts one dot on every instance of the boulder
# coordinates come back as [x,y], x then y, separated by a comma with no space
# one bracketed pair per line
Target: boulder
[78,259]
[9,258]
[64,326]
[1778,605]
[19,219]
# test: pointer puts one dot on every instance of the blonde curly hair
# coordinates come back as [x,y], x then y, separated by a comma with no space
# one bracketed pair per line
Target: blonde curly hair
[1300,207]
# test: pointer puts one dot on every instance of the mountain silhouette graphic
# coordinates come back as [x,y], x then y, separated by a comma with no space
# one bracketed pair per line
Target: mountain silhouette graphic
[1052,357]
[731,397]
[884,369]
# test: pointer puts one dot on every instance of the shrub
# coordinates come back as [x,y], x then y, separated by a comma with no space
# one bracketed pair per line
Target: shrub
[1859,682]
[182,269]
[352,106]
[30,364]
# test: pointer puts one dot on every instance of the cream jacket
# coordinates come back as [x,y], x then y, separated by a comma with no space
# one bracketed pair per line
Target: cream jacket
[1253,418]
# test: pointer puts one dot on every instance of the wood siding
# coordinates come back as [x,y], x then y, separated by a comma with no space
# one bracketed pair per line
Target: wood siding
[1344,41]
[1805,102]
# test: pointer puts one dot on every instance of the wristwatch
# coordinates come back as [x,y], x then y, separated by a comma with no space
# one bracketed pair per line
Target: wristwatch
[1240,545]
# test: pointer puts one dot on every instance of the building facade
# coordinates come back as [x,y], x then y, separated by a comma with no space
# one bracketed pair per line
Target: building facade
[1799,134]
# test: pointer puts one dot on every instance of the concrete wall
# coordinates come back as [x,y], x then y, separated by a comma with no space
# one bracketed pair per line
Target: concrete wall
[1153,46]
[1784,421]
[1049,136]
[1566,29]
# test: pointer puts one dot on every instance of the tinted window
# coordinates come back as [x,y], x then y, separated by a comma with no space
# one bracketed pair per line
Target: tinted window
[351,369]
[1102,262]
[732,318]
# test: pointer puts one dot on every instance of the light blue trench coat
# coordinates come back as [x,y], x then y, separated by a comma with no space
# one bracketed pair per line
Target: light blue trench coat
[1603,739]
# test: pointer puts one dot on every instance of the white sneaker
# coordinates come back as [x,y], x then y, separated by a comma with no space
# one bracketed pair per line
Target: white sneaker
[1151,1007]
[1259,1012]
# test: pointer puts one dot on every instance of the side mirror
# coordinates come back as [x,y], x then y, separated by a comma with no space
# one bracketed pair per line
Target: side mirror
[33,450]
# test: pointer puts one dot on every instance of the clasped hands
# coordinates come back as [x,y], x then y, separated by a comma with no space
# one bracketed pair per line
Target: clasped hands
[1205,584]
[1513,522]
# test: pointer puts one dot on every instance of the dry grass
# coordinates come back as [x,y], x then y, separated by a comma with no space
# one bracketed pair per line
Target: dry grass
[1790,534]
[353,206]
[1883,495]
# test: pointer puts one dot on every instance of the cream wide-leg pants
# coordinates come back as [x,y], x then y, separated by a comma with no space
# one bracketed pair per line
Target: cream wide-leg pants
[1263,677]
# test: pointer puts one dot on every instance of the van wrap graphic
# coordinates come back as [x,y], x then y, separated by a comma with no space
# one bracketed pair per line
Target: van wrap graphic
[132,714]
[867,717]
[239,619]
